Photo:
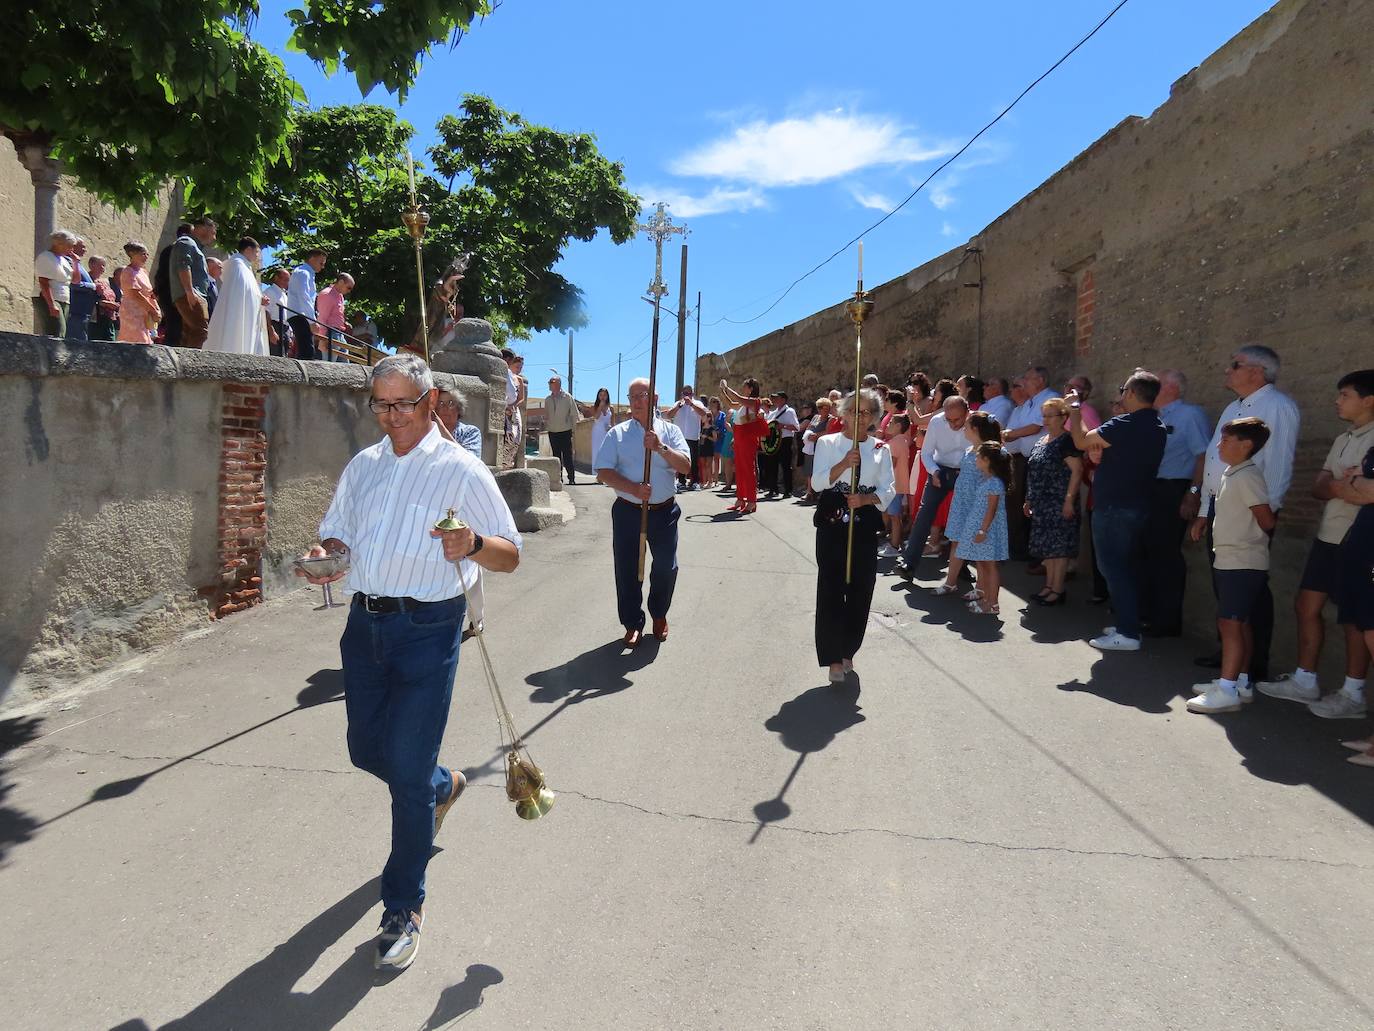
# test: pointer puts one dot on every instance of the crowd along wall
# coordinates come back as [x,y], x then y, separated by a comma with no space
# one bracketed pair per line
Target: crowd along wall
[146,490]
[1240,211]
[106,230]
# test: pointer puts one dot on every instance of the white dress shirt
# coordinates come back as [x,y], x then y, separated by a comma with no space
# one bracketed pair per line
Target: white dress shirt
[944,445]
[787,421]
[385,505]
[276,297]
[875,466]
[688,420]
[1275,459]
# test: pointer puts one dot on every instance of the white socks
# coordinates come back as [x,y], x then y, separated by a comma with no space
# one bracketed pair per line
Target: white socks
[1354,687]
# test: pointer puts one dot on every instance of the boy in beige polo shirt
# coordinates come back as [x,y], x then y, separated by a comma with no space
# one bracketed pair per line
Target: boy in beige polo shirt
[1321,577]
[1241,523]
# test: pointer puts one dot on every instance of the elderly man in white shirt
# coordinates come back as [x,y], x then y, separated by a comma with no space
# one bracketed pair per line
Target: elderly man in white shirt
[1250,374]
[941,454]
[400,647]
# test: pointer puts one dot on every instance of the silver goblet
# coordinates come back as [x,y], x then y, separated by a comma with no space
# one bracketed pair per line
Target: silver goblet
[325,565]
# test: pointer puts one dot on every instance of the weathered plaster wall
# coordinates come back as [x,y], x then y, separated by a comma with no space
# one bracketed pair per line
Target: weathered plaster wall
[106,229]
[119,524]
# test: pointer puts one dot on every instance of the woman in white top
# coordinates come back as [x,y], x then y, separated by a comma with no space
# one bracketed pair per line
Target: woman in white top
[842,608]
[600,414]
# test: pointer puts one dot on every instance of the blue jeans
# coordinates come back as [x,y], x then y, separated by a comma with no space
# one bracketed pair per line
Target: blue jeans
[398,680]
[629,592]
[932,497]
[1118,540]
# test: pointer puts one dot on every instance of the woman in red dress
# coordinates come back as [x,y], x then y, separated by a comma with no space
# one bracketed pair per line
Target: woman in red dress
[750,429]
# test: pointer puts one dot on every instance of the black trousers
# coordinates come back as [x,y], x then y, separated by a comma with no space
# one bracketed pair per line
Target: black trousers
[786,463]
[768,471]
[842,609]
[278,349]
[1166,572]
[1018,524]
[1261,616]
[560,442]
[693,476]
[662,570]
[305,341]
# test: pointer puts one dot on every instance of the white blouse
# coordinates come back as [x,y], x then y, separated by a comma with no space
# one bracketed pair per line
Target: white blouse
[875,466]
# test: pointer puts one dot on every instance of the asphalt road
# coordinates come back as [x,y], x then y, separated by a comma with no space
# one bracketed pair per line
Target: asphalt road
[993,827]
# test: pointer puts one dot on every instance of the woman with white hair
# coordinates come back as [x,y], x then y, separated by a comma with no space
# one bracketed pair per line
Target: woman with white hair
[53,269]
[842,603]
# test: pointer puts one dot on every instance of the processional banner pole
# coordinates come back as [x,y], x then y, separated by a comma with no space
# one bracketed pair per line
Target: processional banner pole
[859,308]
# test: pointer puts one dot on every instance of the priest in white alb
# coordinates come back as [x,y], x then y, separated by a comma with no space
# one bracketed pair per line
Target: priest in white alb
[239,324]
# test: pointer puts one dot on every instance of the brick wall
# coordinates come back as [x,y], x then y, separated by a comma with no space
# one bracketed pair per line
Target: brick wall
[242,499]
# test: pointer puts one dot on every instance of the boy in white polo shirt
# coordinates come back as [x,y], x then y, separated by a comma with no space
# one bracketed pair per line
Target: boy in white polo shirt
[1241,523]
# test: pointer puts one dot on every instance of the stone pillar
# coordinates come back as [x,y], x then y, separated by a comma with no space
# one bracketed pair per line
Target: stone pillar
[470,352]
[46,173]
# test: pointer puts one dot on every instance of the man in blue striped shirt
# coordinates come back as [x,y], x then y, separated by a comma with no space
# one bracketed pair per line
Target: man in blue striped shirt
[400,647]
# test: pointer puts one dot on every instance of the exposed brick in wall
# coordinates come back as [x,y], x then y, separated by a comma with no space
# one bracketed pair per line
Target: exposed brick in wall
[1083,317]
[242,499]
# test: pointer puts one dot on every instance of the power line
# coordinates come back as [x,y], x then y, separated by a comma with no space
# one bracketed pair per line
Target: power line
[948,161]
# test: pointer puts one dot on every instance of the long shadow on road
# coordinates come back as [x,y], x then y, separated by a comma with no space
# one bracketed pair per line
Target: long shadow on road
[807,724]
[16,826]
[264,997]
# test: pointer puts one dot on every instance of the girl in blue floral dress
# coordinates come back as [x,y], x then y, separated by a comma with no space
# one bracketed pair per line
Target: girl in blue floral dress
[979,428]
[984,531]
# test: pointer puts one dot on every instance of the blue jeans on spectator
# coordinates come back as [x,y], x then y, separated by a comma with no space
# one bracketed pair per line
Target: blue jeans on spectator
[398,681]
[662,540]
[1118,540]
[932,497]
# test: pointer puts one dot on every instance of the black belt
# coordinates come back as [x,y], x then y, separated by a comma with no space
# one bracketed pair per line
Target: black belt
[652,508]
[378,605]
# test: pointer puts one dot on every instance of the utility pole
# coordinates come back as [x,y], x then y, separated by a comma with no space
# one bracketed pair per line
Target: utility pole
[681,325]
[696,358]
[618,357]
[570,383]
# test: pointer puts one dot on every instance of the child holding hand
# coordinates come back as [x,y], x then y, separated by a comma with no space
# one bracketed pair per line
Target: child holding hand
[983,535]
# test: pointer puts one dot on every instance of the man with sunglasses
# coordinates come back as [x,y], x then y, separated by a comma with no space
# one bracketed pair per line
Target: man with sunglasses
[400,646]
[1250,374]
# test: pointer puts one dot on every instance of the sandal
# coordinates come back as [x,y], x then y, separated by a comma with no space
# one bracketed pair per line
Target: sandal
[974,595]
[978,608]
[944,589]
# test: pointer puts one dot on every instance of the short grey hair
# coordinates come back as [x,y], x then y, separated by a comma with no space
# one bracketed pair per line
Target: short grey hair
[63,236]
[411,366]
[1177,378]
[1266,359]
[459,398]
[871,399]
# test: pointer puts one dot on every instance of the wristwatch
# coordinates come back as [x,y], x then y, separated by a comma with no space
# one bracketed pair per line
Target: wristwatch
[1194,489]
[477,541]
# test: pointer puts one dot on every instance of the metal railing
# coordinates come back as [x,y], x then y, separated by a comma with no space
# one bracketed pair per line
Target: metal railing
[357,350]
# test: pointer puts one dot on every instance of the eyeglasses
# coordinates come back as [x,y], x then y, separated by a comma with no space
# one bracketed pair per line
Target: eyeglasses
[442,404]
[1234,365]
[400,407]
[635,395]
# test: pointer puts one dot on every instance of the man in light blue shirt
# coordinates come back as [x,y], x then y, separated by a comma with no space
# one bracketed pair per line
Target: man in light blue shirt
[996,402]
[1024,428]
[300,299]
[619,463]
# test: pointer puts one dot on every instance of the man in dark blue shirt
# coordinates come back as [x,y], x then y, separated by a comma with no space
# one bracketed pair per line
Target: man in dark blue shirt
[1131,446]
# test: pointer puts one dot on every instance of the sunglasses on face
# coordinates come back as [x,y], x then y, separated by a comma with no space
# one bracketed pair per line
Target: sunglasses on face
[1233,366]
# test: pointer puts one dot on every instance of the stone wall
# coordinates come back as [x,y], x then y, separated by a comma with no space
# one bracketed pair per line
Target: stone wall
[148,489]
[106,229]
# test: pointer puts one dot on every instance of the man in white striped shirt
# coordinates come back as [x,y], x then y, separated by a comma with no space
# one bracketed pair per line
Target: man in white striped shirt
[400,648]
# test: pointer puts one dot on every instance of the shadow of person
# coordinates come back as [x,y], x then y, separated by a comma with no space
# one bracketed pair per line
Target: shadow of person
[460,999]
[807,724]
[325,685]
[16,826]
[594,674]
[950,611]
[1124,678]
[262,996]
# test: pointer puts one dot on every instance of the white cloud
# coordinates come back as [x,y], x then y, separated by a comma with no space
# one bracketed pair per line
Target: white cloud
[876,201]
[942,197]
[718,201]
[801,150]
[948,230]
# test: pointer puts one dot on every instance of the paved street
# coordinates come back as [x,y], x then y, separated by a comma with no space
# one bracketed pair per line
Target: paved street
[995,827]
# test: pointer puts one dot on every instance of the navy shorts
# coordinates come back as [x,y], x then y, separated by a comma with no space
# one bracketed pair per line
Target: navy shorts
[1237,591]
[1323,570]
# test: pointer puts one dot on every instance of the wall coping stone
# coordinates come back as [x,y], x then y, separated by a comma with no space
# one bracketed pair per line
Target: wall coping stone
[22,354]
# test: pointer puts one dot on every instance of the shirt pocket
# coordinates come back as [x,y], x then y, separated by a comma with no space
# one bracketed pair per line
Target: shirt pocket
[411,534]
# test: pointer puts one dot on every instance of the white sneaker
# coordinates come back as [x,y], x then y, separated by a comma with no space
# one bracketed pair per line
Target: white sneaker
[1114,642]
[1201,689]
[1339,706]
[1217,700]
[1246,693]
[887,551]
[1286,686]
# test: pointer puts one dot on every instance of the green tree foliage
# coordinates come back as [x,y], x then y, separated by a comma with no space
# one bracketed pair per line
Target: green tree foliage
[511,193]
[134,93]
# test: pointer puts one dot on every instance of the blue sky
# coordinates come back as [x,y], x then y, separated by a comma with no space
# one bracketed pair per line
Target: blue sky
[777,133]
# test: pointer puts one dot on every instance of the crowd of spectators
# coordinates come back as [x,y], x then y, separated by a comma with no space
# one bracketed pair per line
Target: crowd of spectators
[171,300]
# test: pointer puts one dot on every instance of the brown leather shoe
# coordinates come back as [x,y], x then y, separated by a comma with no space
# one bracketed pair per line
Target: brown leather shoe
[632,637]
[661,629]
[442,808]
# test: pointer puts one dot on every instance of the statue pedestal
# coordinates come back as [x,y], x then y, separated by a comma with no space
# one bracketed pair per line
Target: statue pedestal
[468,351]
